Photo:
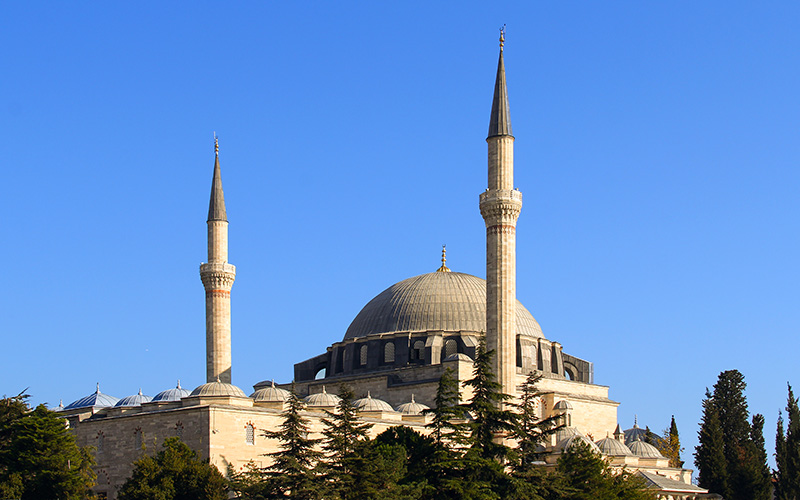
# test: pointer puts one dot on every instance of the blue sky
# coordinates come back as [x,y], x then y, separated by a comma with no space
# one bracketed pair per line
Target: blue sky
[656,150]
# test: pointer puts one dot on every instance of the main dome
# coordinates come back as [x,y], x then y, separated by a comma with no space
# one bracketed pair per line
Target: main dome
[440,301]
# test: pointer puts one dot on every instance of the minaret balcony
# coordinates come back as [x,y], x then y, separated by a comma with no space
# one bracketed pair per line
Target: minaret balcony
[501,205]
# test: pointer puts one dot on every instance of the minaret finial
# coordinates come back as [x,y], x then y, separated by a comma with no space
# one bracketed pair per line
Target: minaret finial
[216,140]
[502,37]
[444,268]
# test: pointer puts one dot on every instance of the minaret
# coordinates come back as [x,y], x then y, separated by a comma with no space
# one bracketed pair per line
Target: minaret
[500,207]
[218,276]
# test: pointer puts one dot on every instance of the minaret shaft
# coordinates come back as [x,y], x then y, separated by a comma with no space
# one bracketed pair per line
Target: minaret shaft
[218,277]
[500,207]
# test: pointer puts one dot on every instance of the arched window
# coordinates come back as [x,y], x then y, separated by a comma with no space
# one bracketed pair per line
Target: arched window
[249,434]
[101,437]
[362,356]
[179,430]
[450,347]
[388,353]
[417,349]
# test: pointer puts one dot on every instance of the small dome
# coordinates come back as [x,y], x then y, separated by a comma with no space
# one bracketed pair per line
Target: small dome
[96,400]
[644,450]
[635,433]
[322,399]
[218,389]
[570,441]
[458,356]
[612,447]
[271,395]
[174,394]
[135,400]
[566,432]
[563,405]
[412,408]
[369,404]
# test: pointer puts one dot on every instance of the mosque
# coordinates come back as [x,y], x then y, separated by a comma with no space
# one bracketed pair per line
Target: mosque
[392,355]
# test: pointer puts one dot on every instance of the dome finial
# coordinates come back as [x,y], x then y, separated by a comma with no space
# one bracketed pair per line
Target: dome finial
[412,398]
[273,383]
[444,268]
[216,140]
[502,37]
[635,421]
[179,384]
[218,379]
[98,388]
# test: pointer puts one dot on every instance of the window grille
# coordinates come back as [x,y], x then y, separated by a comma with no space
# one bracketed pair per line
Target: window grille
[363,356]
[179,430]
[388,353]
[250,434]
[450,347]
[137,439]
[100,442]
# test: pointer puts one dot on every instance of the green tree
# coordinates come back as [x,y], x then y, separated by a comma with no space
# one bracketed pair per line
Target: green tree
[447,409]
[670,445]
[343,433]
[39,457]
[294,469]
[175,473]
[787,452]
[585,475]
[490,421]
[741,475]
[531,431]
[712,469]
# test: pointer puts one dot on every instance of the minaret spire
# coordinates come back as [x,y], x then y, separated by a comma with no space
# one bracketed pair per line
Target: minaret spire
[500,207]
[216,206]
[500,120]
[218,276]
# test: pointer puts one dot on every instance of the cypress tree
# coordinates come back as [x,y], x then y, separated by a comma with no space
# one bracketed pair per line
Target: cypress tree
[490,420]
[670,445]
[709,456]
[741,475]
[787,452]
[758,474]
[781,486]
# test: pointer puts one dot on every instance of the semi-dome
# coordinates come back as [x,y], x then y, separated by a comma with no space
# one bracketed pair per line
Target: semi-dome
[645,450]
[566,444]
[323,399]
[96,400]
[271,394]
[218,389]
[458,356]
[566,432]
[563,405]
[370,404]
[412,408]
[439,301]
[135,400]
[174,394]
[613,448]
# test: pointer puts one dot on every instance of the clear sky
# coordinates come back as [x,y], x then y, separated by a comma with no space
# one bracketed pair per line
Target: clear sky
[657,151]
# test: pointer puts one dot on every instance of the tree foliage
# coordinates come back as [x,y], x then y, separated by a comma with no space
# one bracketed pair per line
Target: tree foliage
[584,475]
[39,457]
[730,457]
[491,420]
[669,444]
[175,473]
[444,425]
[787,452]
[294,467]
[531,431]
